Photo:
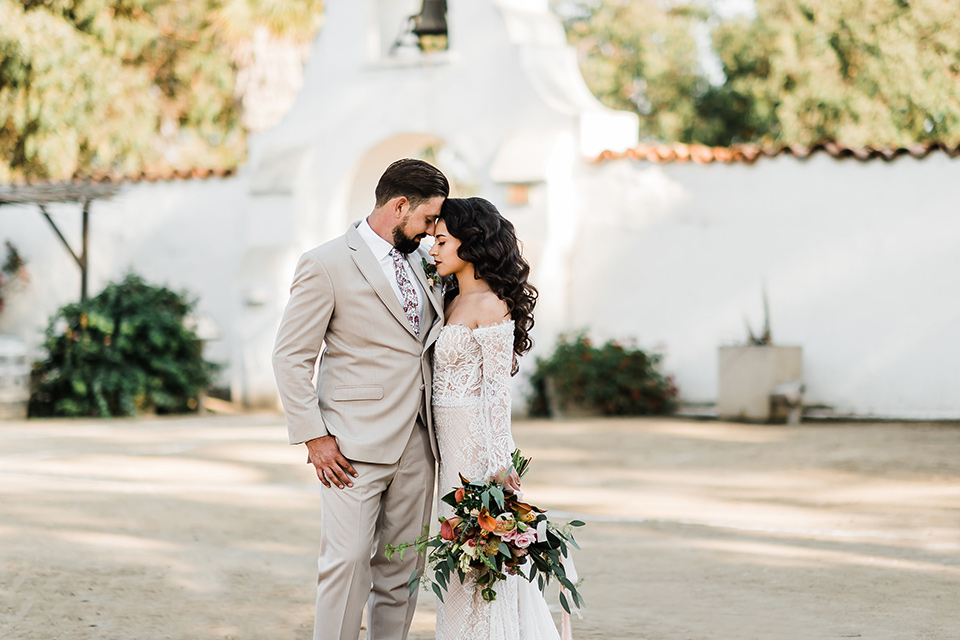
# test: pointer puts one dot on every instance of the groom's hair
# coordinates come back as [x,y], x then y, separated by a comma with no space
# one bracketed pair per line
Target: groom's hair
[416,180]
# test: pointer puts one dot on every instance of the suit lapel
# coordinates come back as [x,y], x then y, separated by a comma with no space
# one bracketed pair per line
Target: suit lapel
[373,274]
[415,260]
[432,293]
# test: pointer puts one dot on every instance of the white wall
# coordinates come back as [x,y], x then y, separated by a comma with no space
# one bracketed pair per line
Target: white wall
[861,262]
[185,235]
[235,242]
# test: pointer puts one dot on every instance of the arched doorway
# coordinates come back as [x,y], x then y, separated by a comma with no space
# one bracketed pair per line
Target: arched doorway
[366,173]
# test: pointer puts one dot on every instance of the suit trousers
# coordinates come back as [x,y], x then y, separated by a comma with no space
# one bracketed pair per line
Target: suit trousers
[388,503]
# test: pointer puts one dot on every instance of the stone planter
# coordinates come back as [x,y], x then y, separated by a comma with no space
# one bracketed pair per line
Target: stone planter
[752,380]
[14,378]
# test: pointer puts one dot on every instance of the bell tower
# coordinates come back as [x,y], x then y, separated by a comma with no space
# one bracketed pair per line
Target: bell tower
[489,90]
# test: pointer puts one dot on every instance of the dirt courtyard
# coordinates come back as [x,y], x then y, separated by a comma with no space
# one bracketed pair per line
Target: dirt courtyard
[204,528]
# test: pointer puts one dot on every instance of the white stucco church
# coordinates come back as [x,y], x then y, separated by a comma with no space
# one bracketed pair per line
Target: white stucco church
[668,246]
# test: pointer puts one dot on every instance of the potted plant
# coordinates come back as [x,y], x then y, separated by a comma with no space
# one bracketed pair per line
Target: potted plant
[581,379]
[760,381]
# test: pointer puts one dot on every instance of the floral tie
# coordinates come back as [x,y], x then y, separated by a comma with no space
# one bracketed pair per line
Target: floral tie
[409,293]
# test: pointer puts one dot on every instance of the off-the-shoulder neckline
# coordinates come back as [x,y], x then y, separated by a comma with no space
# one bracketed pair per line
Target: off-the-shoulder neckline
[480,327]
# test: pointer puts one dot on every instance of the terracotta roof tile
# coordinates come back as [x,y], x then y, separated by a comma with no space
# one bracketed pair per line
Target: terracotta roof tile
[102,177]
[750,153]
[96,185]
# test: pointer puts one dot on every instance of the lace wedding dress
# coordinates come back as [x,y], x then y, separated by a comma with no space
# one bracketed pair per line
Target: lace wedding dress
[471,416]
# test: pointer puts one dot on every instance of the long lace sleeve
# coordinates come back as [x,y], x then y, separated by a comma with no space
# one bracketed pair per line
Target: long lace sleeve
[496,345]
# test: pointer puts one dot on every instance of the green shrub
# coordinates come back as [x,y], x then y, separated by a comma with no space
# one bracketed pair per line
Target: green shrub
[125,352]
[614,378]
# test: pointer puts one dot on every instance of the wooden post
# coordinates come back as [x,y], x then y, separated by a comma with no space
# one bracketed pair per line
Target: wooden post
[84,253]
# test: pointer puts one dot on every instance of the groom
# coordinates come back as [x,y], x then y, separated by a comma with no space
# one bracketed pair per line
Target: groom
[365,299]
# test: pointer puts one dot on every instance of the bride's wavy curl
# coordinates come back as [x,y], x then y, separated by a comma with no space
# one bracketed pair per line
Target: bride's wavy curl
[489,242]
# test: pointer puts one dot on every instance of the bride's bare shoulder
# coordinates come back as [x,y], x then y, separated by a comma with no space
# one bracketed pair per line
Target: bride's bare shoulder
[481,309]
[490,310]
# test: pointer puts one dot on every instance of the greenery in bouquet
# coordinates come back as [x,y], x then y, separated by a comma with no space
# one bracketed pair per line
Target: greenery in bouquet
[491,535]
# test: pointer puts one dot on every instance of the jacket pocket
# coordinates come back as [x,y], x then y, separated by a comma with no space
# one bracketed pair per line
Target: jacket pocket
[348,393]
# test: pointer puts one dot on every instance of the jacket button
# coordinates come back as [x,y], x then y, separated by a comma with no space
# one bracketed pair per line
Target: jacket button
[422,387]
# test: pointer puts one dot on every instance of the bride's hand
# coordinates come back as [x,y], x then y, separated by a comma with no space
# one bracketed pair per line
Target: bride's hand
[512,482]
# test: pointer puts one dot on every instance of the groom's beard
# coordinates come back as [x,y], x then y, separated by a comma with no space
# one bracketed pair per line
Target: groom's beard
[402,242]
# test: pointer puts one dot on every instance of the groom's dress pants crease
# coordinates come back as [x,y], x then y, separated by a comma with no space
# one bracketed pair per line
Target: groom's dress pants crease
[343,577]
[384,505]
[405,508]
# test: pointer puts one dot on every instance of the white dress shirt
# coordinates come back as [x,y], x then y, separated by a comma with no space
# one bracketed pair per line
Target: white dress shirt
[381,251]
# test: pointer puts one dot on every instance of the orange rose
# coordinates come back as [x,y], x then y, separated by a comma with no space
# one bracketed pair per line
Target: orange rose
[505,523]
[526,512]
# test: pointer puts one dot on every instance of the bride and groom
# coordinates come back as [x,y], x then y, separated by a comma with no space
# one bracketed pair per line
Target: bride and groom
[410,375]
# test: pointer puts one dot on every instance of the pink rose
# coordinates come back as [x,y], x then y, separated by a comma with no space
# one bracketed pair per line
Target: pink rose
[525,539]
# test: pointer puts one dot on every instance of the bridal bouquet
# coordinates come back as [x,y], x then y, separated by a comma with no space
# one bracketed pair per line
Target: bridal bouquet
[493,534]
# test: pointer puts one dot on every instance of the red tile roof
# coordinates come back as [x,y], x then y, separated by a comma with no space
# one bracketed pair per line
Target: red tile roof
[750,153]
[94,186]
[155,176]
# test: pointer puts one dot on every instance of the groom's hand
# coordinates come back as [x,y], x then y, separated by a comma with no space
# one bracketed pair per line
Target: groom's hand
[331,466]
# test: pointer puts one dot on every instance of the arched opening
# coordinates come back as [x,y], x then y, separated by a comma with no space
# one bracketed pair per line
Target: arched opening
[366,173]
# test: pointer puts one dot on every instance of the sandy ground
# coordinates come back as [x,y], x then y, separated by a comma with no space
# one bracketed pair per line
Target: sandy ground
[207,528]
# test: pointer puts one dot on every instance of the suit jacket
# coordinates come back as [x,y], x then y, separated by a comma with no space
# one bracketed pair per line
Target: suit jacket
[375,374]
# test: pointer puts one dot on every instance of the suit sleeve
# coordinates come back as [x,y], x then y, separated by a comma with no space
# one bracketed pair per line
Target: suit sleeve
[496,346]
[297,347]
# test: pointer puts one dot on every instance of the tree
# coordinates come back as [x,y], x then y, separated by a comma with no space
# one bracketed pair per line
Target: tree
[862,72]
[877,72]
[127,85]
[641,56]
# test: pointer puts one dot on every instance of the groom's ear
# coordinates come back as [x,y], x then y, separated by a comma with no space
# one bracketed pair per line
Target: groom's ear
[400,207]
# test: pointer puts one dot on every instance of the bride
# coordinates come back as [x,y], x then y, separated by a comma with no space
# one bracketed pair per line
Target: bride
[489,313]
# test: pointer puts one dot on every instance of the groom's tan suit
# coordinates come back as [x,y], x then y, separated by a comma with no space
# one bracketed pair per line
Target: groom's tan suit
[372,394]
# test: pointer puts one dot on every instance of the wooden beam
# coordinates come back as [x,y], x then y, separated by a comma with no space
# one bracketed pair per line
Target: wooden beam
[56,230]
[81,260]
[57,192]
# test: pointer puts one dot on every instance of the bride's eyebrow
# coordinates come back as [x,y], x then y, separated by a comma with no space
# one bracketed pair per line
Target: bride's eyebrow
[440,235]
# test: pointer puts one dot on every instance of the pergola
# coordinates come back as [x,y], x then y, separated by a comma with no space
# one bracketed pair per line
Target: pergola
[82,193]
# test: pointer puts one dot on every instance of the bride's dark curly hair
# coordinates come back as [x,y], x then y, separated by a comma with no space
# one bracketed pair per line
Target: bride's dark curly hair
[489,242]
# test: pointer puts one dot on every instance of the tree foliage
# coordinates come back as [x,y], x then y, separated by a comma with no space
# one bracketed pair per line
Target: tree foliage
[127,85]
[878,72]
[641,56]
[859,71]
[126,351]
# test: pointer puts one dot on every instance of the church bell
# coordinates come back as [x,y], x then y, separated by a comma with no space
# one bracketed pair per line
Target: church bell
[432,19]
